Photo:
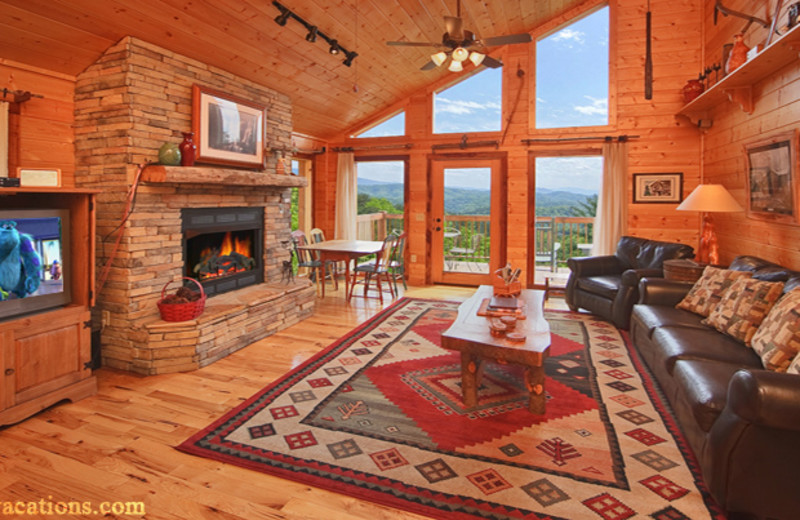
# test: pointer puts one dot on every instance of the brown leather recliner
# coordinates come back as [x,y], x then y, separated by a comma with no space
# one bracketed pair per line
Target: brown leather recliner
[609,285]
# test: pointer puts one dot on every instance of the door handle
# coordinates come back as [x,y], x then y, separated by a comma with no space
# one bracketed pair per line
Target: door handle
[438,220]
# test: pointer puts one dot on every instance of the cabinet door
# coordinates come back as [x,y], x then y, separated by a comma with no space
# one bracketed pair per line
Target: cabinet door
[50,352]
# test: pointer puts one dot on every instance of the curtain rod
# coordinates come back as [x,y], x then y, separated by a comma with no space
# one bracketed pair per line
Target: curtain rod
[368,148]
[607,138]
[463,143]
[19,95]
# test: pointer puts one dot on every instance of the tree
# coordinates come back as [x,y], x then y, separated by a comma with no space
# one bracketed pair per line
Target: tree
[586,208]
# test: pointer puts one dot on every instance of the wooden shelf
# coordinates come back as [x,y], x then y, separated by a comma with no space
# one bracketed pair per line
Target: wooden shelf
[737,86]
[219,176]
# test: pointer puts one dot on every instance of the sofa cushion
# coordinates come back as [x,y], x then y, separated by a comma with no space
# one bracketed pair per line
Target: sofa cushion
[777,340]
[687,343]
[605,286]
[708,290]
[703,386]
[649,317]
[743,307]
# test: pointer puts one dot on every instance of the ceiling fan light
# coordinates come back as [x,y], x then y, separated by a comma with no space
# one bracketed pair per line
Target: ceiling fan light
[439,58]
[460,54]
[476,58]
[455,66]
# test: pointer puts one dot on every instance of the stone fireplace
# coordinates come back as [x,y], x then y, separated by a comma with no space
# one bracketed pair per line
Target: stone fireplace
[134,98]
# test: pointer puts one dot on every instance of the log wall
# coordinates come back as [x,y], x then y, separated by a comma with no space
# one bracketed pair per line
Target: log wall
[666,143]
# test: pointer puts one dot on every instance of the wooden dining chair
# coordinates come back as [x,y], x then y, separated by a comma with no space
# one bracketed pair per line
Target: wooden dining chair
[397,264]
[307,259]
[316,236]
[379,268]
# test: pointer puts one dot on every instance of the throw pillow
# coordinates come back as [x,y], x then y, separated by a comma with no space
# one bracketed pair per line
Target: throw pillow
[707,291]
[777,340]
[743,307]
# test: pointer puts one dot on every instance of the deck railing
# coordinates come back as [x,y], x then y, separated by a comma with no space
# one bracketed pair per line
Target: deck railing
[573,234]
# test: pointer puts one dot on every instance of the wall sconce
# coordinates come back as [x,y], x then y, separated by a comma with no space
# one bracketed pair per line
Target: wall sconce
[313,32]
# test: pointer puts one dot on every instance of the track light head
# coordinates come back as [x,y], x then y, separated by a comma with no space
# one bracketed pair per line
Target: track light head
[350,57]
[312,34]
[334,47]
[281,18]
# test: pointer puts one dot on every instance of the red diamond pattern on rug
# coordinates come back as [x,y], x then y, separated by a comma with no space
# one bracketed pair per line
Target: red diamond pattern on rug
[388,459]
[489,481]
[664,487]
[646,437]
[609,508]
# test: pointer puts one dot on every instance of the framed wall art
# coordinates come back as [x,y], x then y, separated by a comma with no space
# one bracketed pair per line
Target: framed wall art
[657,188]
[772,184]
[228,130]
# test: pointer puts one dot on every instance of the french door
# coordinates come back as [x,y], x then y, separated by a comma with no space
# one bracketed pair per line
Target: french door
[467,218]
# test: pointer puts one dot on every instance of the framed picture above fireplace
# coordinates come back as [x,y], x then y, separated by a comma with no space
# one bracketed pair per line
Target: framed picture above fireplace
[228,131]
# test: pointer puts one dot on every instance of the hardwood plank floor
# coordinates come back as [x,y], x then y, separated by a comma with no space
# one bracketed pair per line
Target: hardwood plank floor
[119,444]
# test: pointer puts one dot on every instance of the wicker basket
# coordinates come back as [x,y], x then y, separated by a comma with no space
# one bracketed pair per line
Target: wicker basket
[501,288]
[182,311]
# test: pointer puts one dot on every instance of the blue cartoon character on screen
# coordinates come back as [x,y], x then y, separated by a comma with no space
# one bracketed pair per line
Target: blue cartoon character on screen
[19,262]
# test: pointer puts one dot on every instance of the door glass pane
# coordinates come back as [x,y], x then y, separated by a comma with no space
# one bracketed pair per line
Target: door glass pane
[467,205]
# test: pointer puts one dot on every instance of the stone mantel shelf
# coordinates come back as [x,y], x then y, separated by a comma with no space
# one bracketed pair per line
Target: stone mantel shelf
[222,176]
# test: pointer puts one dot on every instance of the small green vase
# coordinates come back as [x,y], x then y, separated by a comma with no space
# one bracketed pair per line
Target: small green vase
[169,154]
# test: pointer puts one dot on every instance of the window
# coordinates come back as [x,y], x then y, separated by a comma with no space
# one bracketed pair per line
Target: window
[572,74]
[395,125]
[381,188]
[472,105]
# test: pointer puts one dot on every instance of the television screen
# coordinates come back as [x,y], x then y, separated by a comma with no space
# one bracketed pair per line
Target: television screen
[34,260]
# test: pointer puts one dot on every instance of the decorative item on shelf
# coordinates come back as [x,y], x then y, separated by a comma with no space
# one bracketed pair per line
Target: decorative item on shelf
[507,283]
[692,89]
[738,55]
[184,304]
[726,53]
[792,15]
[169,154]
[188,149]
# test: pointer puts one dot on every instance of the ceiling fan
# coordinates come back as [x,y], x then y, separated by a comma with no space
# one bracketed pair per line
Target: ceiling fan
[460,45]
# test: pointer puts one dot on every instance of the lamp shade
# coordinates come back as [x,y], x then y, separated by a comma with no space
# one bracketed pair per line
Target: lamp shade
[711,198]
[439,58]
[460,54]
[455,66]
[476,58]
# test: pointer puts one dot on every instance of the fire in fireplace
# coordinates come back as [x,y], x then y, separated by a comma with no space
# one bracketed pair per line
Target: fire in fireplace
[223,247]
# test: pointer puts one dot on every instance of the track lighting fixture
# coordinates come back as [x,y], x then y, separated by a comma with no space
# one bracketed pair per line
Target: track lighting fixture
[334,47]
[350,57]
[281,18]
[314,32]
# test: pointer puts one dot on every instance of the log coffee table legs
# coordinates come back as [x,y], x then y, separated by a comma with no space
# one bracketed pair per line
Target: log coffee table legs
[472,372]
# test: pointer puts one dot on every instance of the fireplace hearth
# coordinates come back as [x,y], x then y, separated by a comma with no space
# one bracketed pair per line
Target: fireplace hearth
[223,247]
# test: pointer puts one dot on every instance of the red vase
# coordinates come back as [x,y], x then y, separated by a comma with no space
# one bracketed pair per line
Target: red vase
[188,149]
[692,89]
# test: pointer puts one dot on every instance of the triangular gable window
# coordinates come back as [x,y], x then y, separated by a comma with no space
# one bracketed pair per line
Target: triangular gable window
[395,125]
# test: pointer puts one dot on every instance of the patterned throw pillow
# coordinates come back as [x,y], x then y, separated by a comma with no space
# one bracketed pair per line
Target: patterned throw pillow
[743,307]
[707,291]
[777,340]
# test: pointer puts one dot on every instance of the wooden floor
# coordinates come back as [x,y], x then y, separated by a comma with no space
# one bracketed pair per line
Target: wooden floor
[119,444]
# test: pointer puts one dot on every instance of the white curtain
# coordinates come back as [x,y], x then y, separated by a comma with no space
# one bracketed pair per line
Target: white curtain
[612,205]
[3,139]
[346,197]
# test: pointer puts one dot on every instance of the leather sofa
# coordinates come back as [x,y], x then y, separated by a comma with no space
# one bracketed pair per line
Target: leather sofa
[609,285]
[741,420]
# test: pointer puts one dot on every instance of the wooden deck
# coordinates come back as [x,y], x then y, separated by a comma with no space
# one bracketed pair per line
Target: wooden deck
[119,444]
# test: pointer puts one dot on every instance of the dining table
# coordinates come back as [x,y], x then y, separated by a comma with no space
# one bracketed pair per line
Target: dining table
[343,250]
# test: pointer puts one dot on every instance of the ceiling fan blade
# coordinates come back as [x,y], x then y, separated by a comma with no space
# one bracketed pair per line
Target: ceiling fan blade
[453,26]
[491,62]
[414,44]
[428,66]
[507,39]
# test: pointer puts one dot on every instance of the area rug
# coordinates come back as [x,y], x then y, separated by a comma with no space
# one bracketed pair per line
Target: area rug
[378,415]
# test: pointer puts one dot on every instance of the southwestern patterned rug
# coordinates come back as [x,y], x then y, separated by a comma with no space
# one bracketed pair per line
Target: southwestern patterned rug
[378,415]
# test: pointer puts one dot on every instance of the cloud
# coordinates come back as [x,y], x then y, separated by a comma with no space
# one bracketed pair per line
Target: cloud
[597,107]
[457,106]
[569,35]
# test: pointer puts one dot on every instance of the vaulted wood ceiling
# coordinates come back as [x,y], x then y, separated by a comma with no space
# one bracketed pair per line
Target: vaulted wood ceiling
[241,36]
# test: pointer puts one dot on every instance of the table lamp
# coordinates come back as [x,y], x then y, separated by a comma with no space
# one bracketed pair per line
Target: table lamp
[709,198]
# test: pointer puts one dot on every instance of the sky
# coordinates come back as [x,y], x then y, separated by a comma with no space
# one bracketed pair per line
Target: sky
[571,90]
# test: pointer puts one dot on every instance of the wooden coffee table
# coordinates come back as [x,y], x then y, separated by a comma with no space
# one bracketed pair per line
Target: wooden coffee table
[470,335]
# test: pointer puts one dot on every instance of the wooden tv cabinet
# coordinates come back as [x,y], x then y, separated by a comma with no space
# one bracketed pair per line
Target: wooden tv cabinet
[45,357]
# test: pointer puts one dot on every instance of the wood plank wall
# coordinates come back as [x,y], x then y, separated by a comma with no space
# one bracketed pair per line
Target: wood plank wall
[41,136]
[776,110]
[667,144]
